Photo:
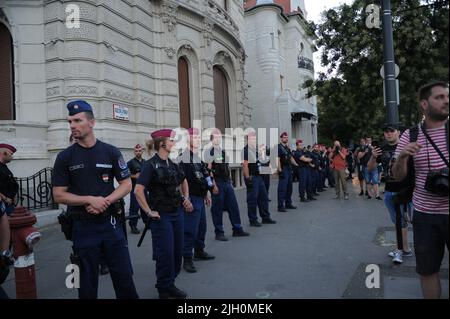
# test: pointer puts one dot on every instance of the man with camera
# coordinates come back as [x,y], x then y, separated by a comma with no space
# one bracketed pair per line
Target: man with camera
[384,155]
[371,176]
[359,166]
[430,197]
[338,164]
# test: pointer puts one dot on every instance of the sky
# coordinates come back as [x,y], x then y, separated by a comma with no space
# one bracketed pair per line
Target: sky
[313,10]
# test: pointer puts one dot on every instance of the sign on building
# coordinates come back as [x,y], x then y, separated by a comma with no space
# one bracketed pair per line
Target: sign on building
[121,112]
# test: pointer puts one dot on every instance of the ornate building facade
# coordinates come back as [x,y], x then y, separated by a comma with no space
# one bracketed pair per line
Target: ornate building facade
[142,64]
[279,61]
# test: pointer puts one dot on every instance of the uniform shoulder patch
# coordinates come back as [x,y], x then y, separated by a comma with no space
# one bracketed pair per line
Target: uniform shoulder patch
[122,163]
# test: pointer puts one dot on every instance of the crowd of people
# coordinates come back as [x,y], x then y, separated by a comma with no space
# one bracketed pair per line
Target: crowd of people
[171,196]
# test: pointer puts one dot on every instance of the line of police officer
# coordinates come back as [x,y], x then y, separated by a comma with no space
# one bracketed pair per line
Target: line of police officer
[171,196]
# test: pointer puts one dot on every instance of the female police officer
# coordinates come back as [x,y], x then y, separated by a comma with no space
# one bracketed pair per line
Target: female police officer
[162,178]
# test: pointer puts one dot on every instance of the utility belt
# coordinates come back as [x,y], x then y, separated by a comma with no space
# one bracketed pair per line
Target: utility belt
[114,210]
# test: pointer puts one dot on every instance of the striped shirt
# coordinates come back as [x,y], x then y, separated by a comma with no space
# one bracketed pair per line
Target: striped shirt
[425,201]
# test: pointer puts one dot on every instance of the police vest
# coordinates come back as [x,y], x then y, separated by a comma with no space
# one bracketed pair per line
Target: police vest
[164,192]
[220,167]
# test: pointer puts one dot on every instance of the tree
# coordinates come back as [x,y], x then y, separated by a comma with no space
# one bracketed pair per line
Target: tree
[351,90]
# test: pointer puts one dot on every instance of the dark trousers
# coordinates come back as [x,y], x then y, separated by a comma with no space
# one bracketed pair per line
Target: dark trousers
[257,197]
[167,240]
[285,187]
[92,240]
[192,229]
[266,179]
[226,199]
[314,181]
[304,182]
[134,210]
[3,294]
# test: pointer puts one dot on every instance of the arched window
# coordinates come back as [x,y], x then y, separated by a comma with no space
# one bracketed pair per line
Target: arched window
[221,99]
[183,93]
[6,75]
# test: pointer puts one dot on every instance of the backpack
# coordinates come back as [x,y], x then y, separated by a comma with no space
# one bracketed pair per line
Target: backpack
[408,183]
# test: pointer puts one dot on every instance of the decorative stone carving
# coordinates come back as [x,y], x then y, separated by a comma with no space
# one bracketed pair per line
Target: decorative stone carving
[209,64]
[222,57]
[146,100]
[169,15]
[170,52]
[207,31]
[209,109]
[172,106]
[118,94]
[52,91]
[82,90]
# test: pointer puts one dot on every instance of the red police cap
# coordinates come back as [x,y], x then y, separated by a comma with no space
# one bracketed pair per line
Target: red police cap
[10,147]
[193,131]
[138,146]
[162,133]
[298,142]
[284,134]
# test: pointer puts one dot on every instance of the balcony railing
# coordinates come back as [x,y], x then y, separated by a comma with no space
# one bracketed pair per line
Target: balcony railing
[305,63]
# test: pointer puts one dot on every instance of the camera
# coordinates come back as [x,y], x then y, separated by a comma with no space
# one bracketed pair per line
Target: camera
[437,182]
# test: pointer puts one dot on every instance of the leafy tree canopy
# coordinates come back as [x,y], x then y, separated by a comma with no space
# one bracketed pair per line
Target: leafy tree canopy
[350,92]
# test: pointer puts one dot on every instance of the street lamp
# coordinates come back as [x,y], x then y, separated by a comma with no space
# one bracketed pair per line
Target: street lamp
[389,64]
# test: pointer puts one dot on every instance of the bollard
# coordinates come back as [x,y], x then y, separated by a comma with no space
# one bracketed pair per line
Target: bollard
[23,237]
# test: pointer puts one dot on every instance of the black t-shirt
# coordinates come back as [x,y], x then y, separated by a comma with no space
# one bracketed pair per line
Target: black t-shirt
[365,159]
[196,174]
[387,162]
[251,155]
[8,185]
[285,154]
[220,163]
[297,155]
[90,171]
[135,167]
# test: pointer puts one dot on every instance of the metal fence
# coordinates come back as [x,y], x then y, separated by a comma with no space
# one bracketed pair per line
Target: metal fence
[35,192]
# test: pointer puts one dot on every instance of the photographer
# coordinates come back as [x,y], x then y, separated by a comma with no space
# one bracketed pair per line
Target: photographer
[430,197]
[384,155]
[371,176]
[358,154]
[338,164]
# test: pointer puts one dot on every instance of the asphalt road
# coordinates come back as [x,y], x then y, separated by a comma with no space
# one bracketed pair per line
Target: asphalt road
[319,250]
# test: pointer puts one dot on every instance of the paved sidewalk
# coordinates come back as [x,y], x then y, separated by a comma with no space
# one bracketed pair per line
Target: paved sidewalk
[319,250]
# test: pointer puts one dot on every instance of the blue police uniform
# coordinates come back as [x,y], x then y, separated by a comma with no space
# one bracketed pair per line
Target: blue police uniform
[135,167]
[162,178]
[199,183]
[256,190]
[285,177]
[304,176]
[225,199]
[91,171]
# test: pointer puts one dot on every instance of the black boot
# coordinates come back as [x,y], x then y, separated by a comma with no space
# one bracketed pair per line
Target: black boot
[188,265]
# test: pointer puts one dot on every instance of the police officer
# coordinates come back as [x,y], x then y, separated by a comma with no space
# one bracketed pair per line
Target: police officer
[223,197]
[285,161]
[135,166]
[303,172]
[199,182]
[256,190]
[265,162]
[315,165]
[83,179]
[5,254]
[163,179]
[8,185]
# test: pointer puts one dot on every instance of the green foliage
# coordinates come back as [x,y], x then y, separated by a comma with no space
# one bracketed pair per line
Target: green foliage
[350,92]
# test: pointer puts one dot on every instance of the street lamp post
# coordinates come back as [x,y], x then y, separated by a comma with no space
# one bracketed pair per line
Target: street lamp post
[389,64]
